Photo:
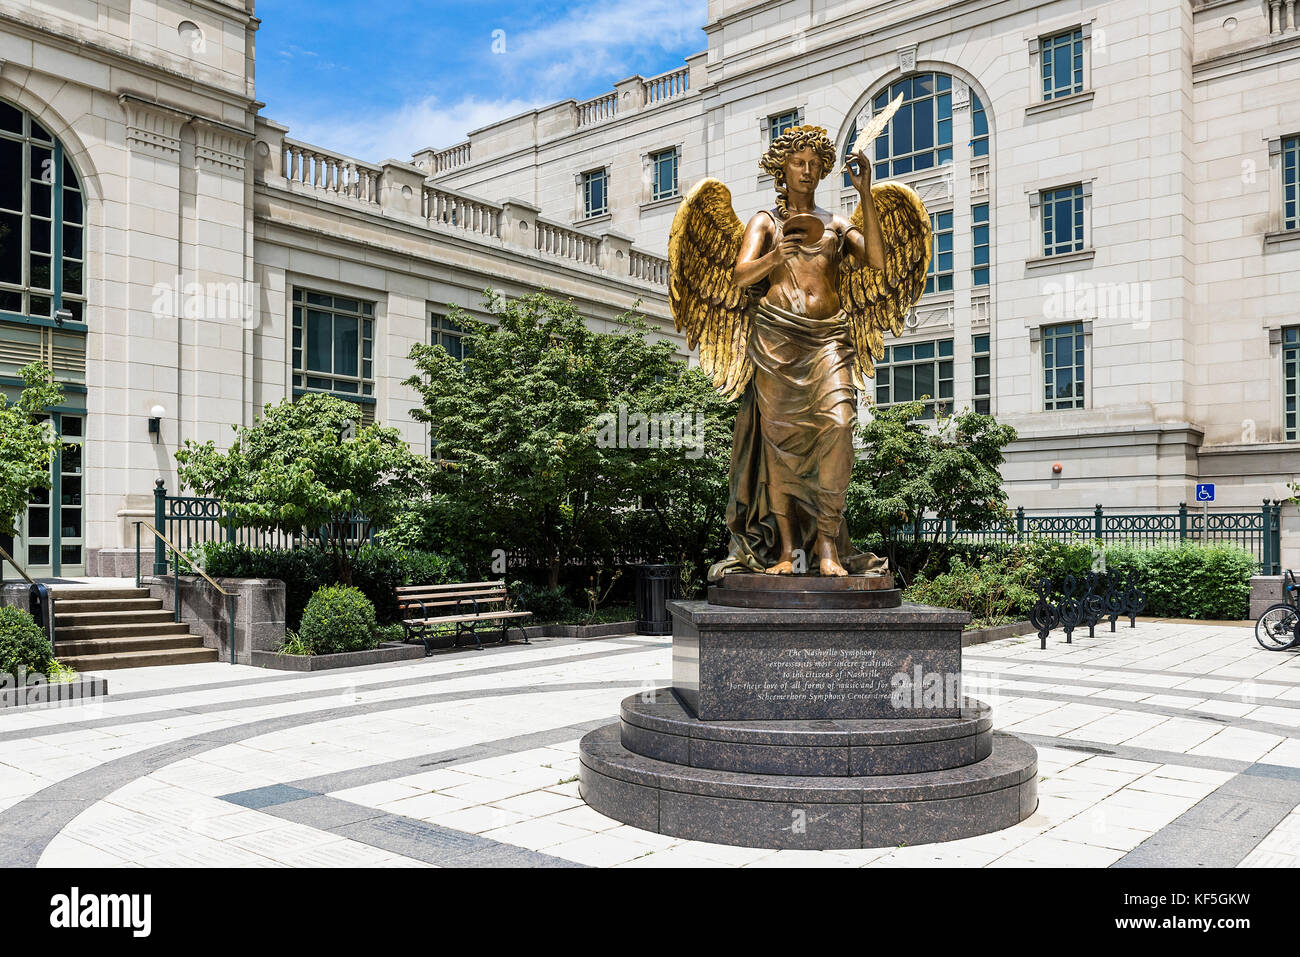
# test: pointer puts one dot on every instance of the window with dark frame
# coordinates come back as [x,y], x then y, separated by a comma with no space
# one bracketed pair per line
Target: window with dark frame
[919,137]
[1290,381]
[980,244]
[1062,220]
[333,344]
[1291,182]
[982,384]
[979,143]
[939,272]
[448,334]
[1063,366]
[42,220]
[1062,56]
[664,170]
[780,123]
[910,372]
[595,193]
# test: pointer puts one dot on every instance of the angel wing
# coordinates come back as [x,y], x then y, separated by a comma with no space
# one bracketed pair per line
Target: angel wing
[875,301]
[706,302]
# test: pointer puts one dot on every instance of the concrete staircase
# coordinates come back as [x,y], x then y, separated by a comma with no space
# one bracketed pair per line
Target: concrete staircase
[98,629]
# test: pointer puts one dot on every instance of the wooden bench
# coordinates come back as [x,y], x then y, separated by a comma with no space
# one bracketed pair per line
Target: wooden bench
[425,609]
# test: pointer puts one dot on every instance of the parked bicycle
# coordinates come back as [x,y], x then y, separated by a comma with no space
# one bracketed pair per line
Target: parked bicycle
[1279,627]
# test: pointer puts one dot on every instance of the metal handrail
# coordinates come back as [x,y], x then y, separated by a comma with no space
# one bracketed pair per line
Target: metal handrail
[180,556]
[6,557]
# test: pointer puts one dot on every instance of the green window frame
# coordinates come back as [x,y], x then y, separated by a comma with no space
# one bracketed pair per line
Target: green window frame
[939,273]
[1062,220]
[979,143]
[1290,381]
[909,372]
[1062,56]
[448,334]
[919,137]
[664,167]
[1291,182]
[779,123]
[1064,346]
[980,244]
[595,193]
[982,380]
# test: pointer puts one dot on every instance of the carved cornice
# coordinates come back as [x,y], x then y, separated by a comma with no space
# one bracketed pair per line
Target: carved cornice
[152,126]
[223,147]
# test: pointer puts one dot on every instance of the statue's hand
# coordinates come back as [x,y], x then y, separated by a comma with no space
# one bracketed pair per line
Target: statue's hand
[786,249]
[860,171]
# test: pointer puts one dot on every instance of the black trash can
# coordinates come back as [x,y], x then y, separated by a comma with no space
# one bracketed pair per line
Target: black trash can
[655,585]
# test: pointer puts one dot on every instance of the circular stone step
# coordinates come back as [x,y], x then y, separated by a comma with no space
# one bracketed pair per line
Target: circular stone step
[754,590]
[813,813]
[657,725]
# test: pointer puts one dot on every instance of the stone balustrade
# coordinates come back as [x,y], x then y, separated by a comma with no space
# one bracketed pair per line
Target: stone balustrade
[330,172]
[448,208]
[648,268]
[598,110]
[407,191]
[565,243]
[667,86]
[450,158]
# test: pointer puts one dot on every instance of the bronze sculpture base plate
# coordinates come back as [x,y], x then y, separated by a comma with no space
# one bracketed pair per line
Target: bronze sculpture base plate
[754,590]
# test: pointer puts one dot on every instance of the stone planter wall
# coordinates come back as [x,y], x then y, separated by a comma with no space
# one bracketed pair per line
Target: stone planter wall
[53,694]
[1265,590]
[259,612]
[573,631]
[388,651]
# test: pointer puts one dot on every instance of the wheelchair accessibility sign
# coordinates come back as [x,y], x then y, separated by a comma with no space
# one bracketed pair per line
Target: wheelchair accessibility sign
[1205,493]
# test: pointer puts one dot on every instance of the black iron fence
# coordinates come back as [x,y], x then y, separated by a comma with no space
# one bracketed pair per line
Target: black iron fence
[1258,531]
[190,520]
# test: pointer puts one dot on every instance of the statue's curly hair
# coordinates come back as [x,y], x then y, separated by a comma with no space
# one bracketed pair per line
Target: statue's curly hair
[792,141]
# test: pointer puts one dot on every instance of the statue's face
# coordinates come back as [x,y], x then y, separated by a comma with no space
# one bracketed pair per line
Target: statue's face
[803,170]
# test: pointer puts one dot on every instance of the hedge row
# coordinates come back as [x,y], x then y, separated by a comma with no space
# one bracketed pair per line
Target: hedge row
[377,573]
[1180,579]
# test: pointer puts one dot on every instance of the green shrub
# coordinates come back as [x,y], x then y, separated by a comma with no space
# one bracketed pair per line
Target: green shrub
[377,572]
[337,619]
[546,604]
[1179,579]
[994,590]
[23,644]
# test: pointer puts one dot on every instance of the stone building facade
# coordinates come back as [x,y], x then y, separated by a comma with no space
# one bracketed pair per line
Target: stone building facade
[1114,188]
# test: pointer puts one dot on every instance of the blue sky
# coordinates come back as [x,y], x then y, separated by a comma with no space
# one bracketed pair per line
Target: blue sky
[383,78]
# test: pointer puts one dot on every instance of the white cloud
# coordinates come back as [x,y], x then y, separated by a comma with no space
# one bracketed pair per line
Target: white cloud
[599,41]
[400,132]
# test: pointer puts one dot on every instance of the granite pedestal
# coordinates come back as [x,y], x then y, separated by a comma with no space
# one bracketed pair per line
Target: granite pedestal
[811,728]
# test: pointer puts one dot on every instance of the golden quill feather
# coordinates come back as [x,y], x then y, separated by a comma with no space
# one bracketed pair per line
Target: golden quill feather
[874,128]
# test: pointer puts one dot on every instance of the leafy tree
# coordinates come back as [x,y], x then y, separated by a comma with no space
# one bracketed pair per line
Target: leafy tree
[910,469]
[529,431]
[305,468]
[27,446]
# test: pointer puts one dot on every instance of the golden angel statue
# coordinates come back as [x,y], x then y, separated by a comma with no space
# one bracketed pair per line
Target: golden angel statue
[789,312]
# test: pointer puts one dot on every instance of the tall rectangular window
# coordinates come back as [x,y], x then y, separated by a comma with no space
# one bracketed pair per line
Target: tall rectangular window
[333,344]
[1291,182]
[922,371]
[939,276]
[1063,348]
[982,391]
[664,169]
[979,141]
[595,193]
[780,122]
[1290,380]
[1062,220]
[980,244]
[1062,57]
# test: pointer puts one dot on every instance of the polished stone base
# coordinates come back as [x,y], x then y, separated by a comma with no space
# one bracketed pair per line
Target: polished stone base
[752,590]
[810,785]
[798,664]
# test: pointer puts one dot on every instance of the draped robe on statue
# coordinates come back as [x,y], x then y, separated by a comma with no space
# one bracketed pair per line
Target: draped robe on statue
[794,435]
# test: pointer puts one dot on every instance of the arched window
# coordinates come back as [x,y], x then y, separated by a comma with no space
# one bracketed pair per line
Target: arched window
[919,137]
[42,223]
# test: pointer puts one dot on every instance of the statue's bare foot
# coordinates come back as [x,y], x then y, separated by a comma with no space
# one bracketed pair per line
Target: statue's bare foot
[782,568]
[830,566]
